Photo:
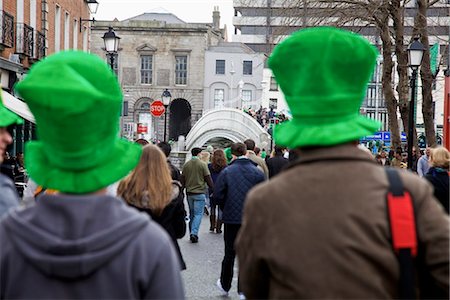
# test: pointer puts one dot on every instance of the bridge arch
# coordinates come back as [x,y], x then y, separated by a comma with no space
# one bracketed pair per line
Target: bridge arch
[229,123]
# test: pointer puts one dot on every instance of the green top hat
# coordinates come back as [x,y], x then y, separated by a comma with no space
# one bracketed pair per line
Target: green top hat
[323,73]
[7,117]
[76,100]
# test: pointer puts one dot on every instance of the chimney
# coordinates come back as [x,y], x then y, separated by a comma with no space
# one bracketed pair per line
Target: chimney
[216,18]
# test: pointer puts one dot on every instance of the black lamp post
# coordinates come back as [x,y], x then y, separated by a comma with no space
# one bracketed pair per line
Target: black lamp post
[111,41]
[93,6]
[415,55]
[166,97]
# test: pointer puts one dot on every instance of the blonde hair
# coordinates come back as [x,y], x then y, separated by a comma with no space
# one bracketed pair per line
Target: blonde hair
[440,157]
[149,185]
[204,156]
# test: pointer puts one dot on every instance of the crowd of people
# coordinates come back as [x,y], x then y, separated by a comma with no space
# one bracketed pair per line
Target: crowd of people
[324,221]
[265,117]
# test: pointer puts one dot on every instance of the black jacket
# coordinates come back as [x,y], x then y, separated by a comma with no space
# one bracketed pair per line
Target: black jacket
[276,164]
[172,219]
[440,181]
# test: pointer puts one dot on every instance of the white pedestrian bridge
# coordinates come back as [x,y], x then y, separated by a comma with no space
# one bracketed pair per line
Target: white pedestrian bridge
[232,124]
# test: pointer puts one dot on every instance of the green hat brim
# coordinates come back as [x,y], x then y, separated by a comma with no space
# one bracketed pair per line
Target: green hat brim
[8,118]
[296,133]
[124,156]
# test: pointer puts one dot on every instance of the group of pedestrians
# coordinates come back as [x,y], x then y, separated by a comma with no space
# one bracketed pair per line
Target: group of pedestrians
[326,225]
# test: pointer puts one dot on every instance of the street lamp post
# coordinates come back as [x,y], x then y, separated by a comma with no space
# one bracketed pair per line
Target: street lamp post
[415,55]
[166,97]
[92,6]
[111,41]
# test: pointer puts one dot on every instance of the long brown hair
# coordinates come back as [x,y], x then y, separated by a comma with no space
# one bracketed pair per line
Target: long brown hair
[218,161]
[149,185]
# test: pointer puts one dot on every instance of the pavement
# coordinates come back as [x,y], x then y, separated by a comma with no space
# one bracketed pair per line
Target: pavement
[204,261]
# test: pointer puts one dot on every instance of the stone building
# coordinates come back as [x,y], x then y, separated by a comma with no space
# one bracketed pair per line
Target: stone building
[233,77]
[158,51]
[31,30]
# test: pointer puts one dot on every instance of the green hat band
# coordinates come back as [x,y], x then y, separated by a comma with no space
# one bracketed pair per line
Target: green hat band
[76,100]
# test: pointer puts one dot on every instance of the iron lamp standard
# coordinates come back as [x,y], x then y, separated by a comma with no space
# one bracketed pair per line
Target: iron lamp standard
[166,97]
[415,55]
[93,6]
[111,41]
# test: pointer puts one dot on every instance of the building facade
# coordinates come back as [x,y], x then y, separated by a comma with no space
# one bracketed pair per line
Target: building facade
[31,30]
[233,77]
[261,24]
[158,51]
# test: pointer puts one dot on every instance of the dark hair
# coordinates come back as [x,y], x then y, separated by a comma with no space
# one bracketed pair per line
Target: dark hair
[218,161]
[257,150]
[141,142]
[278,149]
[165,147]
[195,151]
[238,149]
[250,144]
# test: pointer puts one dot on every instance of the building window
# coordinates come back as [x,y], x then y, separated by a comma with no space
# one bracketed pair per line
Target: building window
[371,96]
[246,98]
[248,67]
[181,69]
[220,66]
[75,34]
[273,102]
[273,84]
[218,98]
[57,28]
[66,30]
[146,69]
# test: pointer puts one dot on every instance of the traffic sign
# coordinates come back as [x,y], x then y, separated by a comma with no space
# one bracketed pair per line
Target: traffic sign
[157,108]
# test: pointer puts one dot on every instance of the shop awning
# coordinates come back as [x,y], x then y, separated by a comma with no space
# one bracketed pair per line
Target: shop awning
[17,106]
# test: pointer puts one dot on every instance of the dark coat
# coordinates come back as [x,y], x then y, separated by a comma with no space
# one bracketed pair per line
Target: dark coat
[276,164]
[440,181]
[172,219]
[214,176]
[232,187]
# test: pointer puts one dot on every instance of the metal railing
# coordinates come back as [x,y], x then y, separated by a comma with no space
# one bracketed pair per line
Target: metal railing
[25,39]
[40,45]
[7,29]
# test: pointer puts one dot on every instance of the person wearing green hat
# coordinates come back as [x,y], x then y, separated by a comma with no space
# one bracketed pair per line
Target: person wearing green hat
[319,229]
[9,197]
[81,242]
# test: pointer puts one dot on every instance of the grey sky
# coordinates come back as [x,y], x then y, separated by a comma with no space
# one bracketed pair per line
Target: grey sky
[187,10]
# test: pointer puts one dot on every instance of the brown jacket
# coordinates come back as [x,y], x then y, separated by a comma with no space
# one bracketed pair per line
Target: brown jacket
[259,161]
[320,230]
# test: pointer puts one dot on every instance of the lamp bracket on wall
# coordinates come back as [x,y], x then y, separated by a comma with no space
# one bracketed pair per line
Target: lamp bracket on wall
[85,20]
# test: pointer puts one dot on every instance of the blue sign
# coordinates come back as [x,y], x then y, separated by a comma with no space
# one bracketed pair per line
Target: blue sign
[383,136]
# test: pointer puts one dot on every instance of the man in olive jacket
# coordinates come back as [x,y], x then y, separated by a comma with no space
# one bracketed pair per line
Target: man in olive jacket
[320,229]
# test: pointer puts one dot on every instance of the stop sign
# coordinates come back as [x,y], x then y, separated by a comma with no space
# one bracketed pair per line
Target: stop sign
[157,108]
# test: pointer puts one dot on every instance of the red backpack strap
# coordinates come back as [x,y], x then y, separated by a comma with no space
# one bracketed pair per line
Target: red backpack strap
[403,231]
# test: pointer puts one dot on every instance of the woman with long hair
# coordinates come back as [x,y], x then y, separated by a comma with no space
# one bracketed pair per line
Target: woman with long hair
[218,163]
[149,188]
[438,175]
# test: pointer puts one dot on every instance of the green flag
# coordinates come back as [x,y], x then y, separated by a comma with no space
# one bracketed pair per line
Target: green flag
[434,52]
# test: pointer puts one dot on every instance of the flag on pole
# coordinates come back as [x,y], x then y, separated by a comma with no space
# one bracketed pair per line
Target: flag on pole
[434,53]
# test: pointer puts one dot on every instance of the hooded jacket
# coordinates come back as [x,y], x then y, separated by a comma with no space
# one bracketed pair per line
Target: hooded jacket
[90,246]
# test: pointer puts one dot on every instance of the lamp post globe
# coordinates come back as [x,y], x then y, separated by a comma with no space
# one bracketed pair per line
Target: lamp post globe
[415,55]
[93,6]
[166,97]
[111,41]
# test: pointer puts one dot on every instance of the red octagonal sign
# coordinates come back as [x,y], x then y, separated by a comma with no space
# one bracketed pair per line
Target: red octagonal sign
[157,108]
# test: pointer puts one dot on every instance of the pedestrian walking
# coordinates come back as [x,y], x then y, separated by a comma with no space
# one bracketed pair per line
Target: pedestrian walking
[230,191]
[218,163]
[250,144]
[277,163]
[320,229]
[195,175]
[9,197]
[423,164]
[80,242]
[438,175]
[150,188]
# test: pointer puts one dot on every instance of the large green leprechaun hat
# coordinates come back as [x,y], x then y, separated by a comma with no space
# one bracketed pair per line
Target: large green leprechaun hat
[76,100]
[7,117]
[323,73]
